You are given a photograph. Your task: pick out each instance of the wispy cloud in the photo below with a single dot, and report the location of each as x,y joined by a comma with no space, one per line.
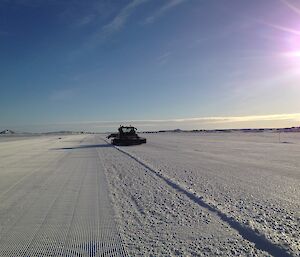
63,94
163,9
116,24
200,120
121,18
291,6
280,28
81,14
105,32
3,33
33,3
255,118
85,20
162,59
227,31
218,122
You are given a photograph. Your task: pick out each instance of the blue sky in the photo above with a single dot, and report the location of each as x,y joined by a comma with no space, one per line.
71,64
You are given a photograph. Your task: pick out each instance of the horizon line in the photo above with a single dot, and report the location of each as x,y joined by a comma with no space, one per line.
207,119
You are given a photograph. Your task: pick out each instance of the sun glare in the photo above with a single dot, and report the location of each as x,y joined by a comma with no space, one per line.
292,54
295,54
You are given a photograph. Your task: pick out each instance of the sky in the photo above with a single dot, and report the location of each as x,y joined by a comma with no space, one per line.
157,64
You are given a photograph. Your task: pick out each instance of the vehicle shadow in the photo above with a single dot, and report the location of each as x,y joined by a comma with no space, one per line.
83,147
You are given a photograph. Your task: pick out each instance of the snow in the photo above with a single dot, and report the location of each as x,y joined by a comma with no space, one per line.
55,202
184,194
252,179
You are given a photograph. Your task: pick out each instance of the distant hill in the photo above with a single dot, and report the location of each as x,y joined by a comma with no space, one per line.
7,132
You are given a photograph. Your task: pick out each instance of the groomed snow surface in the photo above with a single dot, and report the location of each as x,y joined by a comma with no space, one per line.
181,194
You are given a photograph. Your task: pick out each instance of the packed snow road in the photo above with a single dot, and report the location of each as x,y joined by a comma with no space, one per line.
54,200
184,194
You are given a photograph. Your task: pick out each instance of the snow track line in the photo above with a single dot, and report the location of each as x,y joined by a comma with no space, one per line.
67,241
9,246
34,170
36,233
98,236
28,175
28,205
28,157
260,241
122,244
